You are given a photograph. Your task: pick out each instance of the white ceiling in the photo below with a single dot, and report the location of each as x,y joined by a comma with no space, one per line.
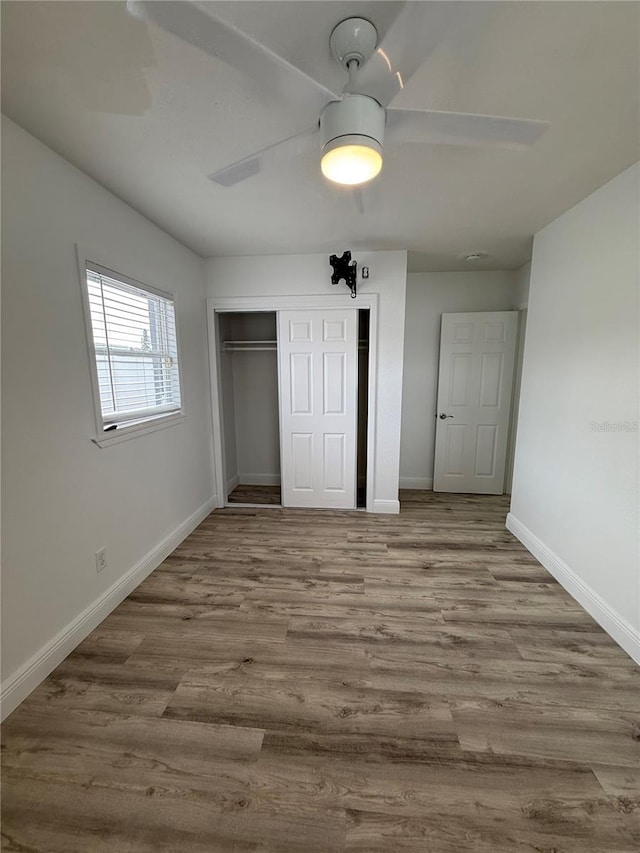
150,116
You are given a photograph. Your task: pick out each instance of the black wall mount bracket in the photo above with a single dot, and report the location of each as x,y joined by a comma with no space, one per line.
344,268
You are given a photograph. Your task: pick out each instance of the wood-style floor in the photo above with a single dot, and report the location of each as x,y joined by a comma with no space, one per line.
330,681
243,494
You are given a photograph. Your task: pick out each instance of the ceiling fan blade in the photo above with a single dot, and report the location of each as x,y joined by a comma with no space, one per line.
197,24
416,31
443,128
274,155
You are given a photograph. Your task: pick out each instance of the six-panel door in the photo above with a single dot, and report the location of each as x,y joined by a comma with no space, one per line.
475,380
317,370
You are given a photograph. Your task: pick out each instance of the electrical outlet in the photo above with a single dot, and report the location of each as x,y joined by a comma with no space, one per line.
101,559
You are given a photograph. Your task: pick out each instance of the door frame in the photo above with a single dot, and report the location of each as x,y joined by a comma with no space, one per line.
256,304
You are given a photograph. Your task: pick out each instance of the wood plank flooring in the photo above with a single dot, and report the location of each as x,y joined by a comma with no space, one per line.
290,680
244,494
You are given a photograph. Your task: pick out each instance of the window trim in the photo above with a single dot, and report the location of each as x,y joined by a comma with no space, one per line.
96,262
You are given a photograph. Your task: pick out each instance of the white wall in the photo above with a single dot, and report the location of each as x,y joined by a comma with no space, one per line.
256,411
575,490
64,497
255,382
521,300
429,295
228,410
305,275
249,384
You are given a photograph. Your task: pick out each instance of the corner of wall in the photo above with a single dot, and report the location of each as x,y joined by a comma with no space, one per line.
612,622
522,278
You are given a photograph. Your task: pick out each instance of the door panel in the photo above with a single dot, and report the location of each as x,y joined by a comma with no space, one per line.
302,460
460,380
334,331
491,378
301,383
485,455
334,376
299,331
455,435
317,353
474,394
334,462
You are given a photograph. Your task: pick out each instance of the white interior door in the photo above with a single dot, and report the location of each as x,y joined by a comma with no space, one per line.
474,401
317,375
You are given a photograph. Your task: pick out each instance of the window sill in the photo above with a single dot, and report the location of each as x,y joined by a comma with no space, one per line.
125,433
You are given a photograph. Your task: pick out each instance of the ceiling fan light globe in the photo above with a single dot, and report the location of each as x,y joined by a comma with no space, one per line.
351,161
352,131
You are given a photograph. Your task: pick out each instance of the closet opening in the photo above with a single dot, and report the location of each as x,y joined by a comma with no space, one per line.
250,408
363,404
246,406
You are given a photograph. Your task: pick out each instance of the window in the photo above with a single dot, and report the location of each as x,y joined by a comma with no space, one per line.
133,331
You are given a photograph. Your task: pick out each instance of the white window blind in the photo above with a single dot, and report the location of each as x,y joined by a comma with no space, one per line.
136,352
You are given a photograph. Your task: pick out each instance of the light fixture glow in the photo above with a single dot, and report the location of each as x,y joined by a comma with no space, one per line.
352,131
352,164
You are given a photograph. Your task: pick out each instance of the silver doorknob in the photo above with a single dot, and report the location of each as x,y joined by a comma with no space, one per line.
443,416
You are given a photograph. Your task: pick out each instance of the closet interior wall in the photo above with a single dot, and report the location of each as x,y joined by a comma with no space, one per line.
249,391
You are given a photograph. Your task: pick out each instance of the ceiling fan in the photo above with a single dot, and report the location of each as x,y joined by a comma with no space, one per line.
352,126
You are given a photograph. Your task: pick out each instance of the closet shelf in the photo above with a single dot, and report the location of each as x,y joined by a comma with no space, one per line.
259,346
248,346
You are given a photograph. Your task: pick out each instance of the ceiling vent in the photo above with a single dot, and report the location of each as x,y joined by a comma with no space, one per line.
474,257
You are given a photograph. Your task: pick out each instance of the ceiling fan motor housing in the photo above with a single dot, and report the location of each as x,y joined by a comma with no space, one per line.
355,120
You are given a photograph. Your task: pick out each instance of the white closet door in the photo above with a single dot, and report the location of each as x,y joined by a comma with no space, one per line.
318,382
474,401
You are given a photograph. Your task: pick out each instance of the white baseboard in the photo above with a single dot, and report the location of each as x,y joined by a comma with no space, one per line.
232,483
18,686
388,507
615,625
425,483
259,479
